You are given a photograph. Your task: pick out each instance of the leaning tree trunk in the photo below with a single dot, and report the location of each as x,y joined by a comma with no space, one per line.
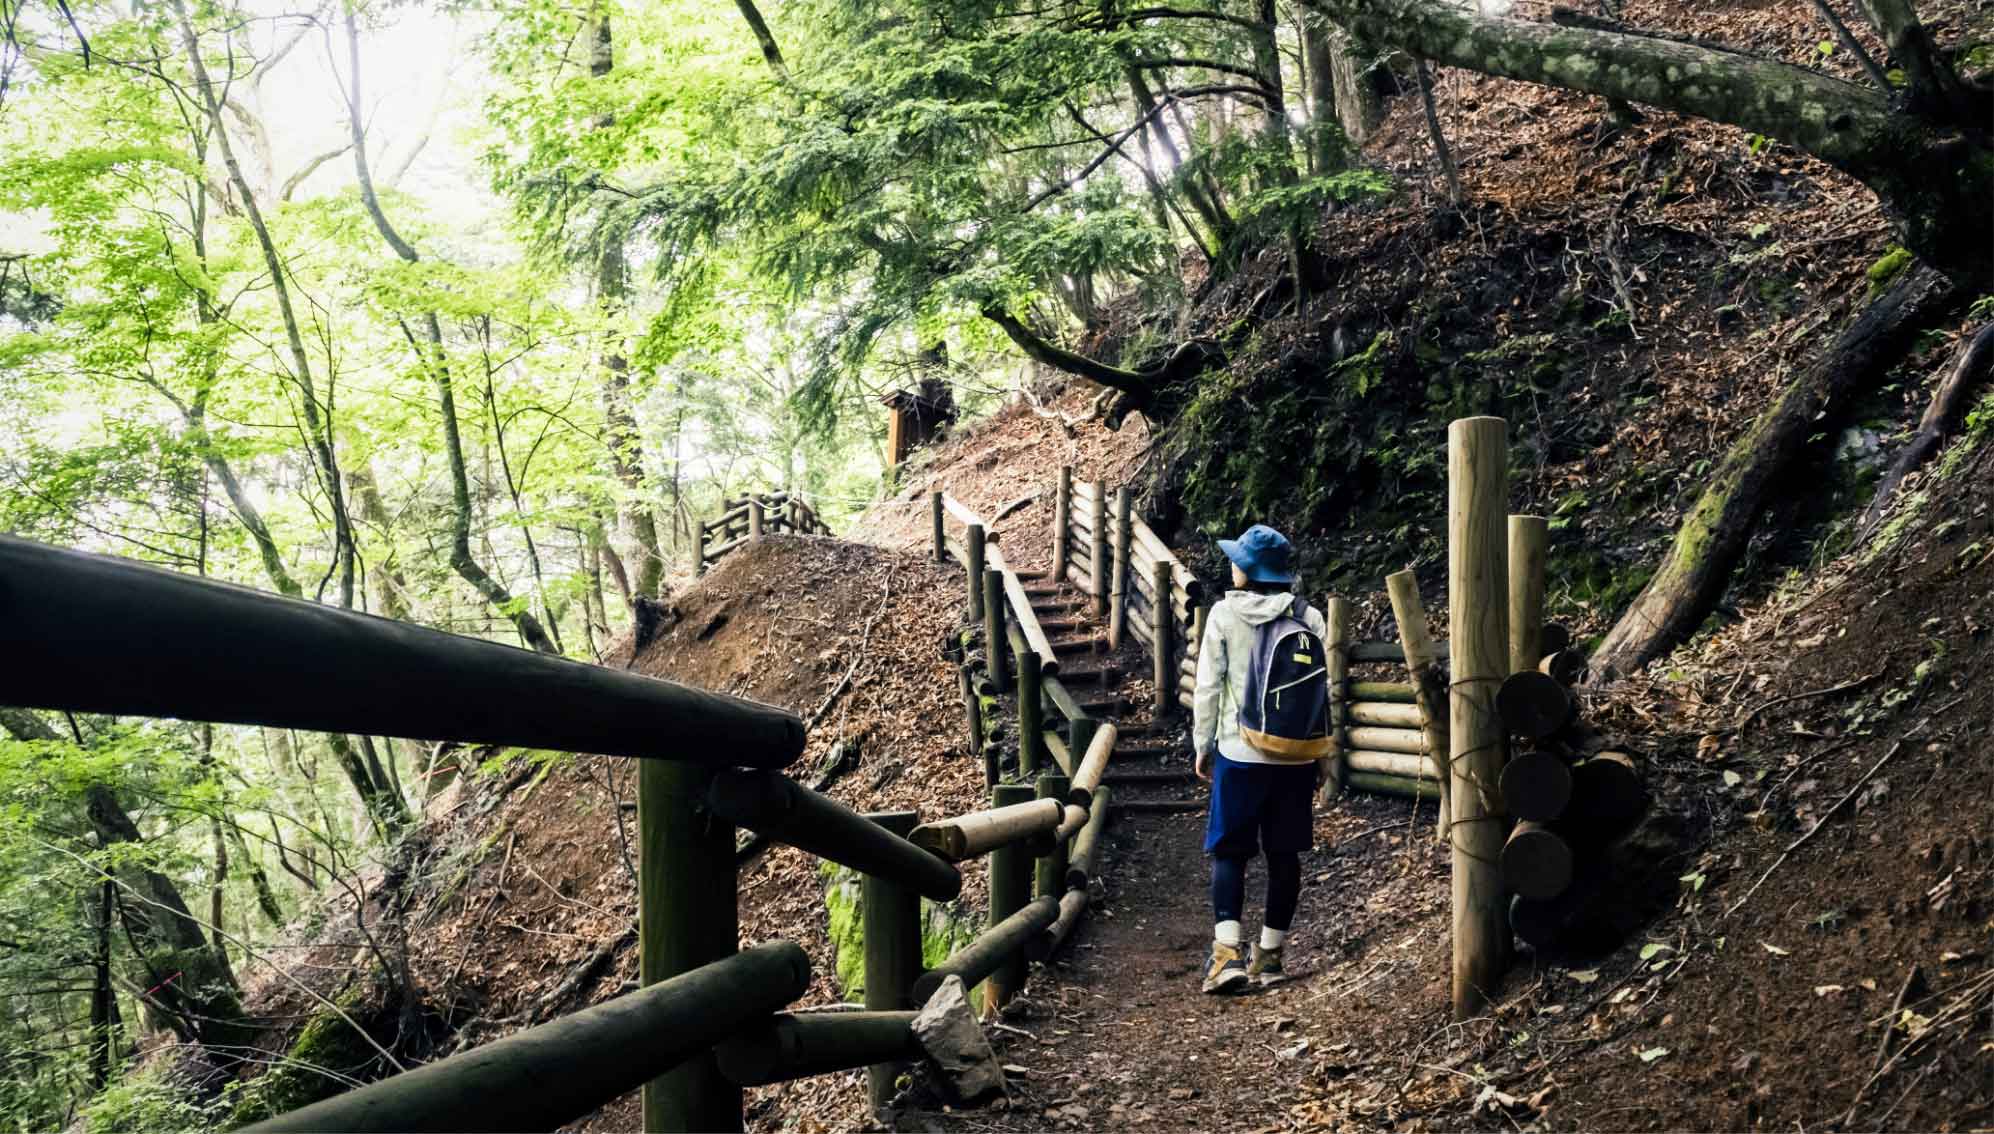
1697,567
1928,155
1940,422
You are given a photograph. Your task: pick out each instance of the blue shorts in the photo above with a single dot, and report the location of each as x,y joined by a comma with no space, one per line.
1260,806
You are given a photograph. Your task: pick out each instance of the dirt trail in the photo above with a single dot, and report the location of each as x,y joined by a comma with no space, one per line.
1115,1032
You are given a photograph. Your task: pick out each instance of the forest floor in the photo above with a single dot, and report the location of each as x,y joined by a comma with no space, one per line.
1704,998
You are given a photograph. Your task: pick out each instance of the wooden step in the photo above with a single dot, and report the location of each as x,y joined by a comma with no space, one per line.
1102,709
1155,806
1051,624
1079,643
1148,778
1083,674
1145,751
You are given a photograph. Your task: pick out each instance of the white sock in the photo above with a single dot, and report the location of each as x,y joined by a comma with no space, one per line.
1271,938
1227,933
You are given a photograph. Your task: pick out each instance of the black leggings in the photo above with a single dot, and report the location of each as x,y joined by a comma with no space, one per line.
1284,888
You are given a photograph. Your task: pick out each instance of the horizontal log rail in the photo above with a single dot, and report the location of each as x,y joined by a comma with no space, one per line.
99,634
787,812
980,832
550,1075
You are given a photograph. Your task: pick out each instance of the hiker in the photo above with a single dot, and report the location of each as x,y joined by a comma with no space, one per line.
1260,722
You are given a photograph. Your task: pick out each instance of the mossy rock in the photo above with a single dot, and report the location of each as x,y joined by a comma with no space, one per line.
944,928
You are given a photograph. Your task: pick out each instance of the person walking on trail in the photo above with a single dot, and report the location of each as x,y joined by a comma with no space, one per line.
1260,723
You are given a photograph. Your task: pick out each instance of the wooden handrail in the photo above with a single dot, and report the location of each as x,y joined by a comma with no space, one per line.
99,634
786,811
547,1076
1022,615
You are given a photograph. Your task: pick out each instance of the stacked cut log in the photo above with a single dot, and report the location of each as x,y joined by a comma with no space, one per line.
1573,796
1385,746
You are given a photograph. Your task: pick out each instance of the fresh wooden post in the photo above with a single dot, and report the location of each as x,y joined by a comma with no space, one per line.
1429,686
1381,714
1050,875
1010,889
1062,524
941,537
891,914
1380,784
1093,763
1079,738
995,644
1336,641
1478,634
1097,548
1527,537
756,521
687,916
1031,713
1160,624
1118,580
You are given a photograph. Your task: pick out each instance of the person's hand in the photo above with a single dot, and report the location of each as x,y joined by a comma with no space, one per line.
1202,766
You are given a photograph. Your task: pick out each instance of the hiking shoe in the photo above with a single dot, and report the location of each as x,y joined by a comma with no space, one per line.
1265,968
1226,970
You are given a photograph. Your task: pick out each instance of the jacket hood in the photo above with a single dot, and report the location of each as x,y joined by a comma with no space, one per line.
1254,609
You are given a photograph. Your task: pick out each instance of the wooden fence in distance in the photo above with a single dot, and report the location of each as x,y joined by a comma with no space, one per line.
749,517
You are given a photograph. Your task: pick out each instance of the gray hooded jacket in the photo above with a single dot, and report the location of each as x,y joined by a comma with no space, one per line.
1223,657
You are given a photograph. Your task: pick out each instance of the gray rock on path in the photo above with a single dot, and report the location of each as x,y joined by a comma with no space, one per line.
964,1066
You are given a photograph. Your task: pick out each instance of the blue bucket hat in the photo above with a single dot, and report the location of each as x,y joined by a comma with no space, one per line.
1262,553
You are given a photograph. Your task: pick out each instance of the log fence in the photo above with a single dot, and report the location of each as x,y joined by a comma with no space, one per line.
708,1018
750,517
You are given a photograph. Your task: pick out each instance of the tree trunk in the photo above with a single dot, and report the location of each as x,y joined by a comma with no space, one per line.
318,427
1697,567
461,559
189,984
626,447
1941,420
1358,107
1932,163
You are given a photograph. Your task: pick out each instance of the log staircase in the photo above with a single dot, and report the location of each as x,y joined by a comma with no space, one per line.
1151,771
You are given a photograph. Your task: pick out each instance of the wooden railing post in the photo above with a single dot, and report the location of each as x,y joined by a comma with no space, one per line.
995,645
1031,718
1336,622
1050,876
1118,600
1062,524
687,916
1160,624
941,538
756,520
973,547
1098,549
1527,538
1478,633
1429,687
891,914
1010,889
699,557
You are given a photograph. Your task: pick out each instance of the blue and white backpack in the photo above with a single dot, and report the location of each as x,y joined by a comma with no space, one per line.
1285,713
